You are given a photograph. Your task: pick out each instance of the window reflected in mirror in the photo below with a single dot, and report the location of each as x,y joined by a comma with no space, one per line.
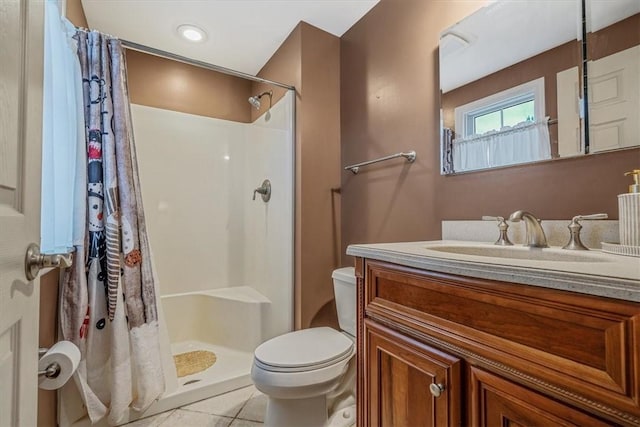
513,113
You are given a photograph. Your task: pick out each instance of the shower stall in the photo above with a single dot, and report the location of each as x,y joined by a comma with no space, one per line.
223,257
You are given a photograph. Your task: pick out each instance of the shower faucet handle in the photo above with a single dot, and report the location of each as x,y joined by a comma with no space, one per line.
258,190
264,190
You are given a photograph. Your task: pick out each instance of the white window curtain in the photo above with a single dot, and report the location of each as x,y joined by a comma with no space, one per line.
522,143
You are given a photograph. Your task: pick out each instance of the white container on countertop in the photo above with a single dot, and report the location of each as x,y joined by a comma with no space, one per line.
629,212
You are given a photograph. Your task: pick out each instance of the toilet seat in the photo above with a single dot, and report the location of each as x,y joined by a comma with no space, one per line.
304,350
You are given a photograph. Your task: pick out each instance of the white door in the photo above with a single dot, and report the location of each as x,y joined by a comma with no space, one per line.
21,56
614,101
569,126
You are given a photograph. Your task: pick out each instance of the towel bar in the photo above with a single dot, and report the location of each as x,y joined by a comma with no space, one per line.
410,156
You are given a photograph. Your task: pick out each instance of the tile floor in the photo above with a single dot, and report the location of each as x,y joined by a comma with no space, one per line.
244,407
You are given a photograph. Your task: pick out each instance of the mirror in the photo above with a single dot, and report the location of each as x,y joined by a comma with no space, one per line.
613,74
510,85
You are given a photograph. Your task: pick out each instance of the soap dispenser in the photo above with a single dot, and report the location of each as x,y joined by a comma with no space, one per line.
629,212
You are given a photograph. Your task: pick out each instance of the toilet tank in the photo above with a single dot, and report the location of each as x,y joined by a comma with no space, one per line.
344,288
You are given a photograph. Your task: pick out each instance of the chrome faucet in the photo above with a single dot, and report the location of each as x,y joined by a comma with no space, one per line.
534,231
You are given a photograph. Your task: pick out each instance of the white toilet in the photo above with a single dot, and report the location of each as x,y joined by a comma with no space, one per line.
308,373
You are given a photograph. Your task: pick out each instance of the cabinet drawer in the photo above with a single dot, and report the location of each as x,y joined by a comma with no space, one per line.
573,344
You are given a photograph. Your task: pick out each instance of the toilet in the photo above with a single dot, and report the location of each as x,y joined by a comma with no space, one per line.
308,375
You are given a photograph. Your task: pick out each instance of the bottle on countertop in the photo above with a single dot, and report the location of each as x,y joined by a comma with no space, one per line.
629,212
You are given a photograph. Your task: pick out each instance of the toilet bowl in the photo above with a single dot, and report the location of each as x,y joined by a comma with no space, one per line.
304,373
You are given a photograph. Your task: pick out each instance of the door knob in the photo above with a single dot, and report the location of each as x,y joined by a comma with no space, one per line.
34,261
436,389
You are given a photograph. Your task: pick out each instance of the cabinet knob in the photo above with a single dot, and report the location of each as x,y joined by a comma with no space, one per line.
436,389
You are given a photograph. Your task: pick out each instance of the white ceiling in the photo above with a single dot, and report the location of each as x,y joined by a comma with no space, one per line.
241,34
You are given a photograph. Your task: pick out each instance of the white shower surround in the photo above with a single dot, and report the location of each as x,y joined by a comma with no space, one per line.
198,175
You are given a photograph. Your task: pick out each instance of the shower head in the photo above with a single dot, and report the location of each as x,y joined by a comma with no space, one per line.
255,100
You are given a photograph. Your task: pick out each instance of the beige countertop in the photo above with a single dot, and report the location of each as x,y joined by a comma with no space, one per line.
593,272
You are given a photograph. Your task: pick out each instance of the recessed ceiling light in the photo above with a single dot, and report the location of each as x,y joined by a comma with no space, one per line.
192,33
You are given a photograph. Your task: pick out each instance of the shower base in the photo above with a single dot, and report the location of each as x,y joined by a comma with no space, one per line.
231,371
225,321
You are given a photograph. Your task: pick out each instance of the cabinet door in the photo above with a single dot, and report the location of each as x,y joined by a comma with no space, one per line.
497,402
400,373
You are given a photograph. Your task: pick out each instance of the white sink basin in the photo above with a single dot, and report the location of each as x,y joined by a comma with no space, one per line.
520,252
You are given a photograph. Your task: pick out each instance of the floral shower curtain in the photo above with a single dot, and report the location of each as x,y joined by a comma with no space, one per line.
108,303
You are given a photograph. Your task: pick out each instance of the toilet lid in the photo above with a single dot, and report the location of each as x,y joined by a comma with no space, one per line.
303,350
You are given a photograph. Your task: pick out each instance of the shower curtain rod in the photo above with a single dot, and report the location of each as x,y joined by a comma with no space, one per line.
164,54
168,55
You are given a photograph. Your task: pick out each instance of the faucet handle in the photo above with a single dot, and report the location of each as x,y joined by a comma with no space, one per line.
503,240
592,216
575,243
264,190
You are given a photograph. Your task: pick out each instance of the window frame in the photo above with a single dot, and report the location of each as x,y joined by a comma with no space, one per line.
532,90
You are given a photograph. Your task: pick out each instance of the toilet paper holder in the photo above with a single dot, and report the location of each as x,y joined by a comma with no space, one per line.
52,370
56,365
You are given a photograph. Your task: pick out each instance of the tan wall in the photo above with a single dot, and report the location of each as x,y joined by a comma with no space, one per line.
320,174
75,13
389,103
48,323
310,60
615,38
171,85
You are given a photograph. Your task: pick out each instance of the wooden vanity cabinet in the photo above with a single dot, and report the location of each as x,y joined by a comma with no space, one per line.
438,349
